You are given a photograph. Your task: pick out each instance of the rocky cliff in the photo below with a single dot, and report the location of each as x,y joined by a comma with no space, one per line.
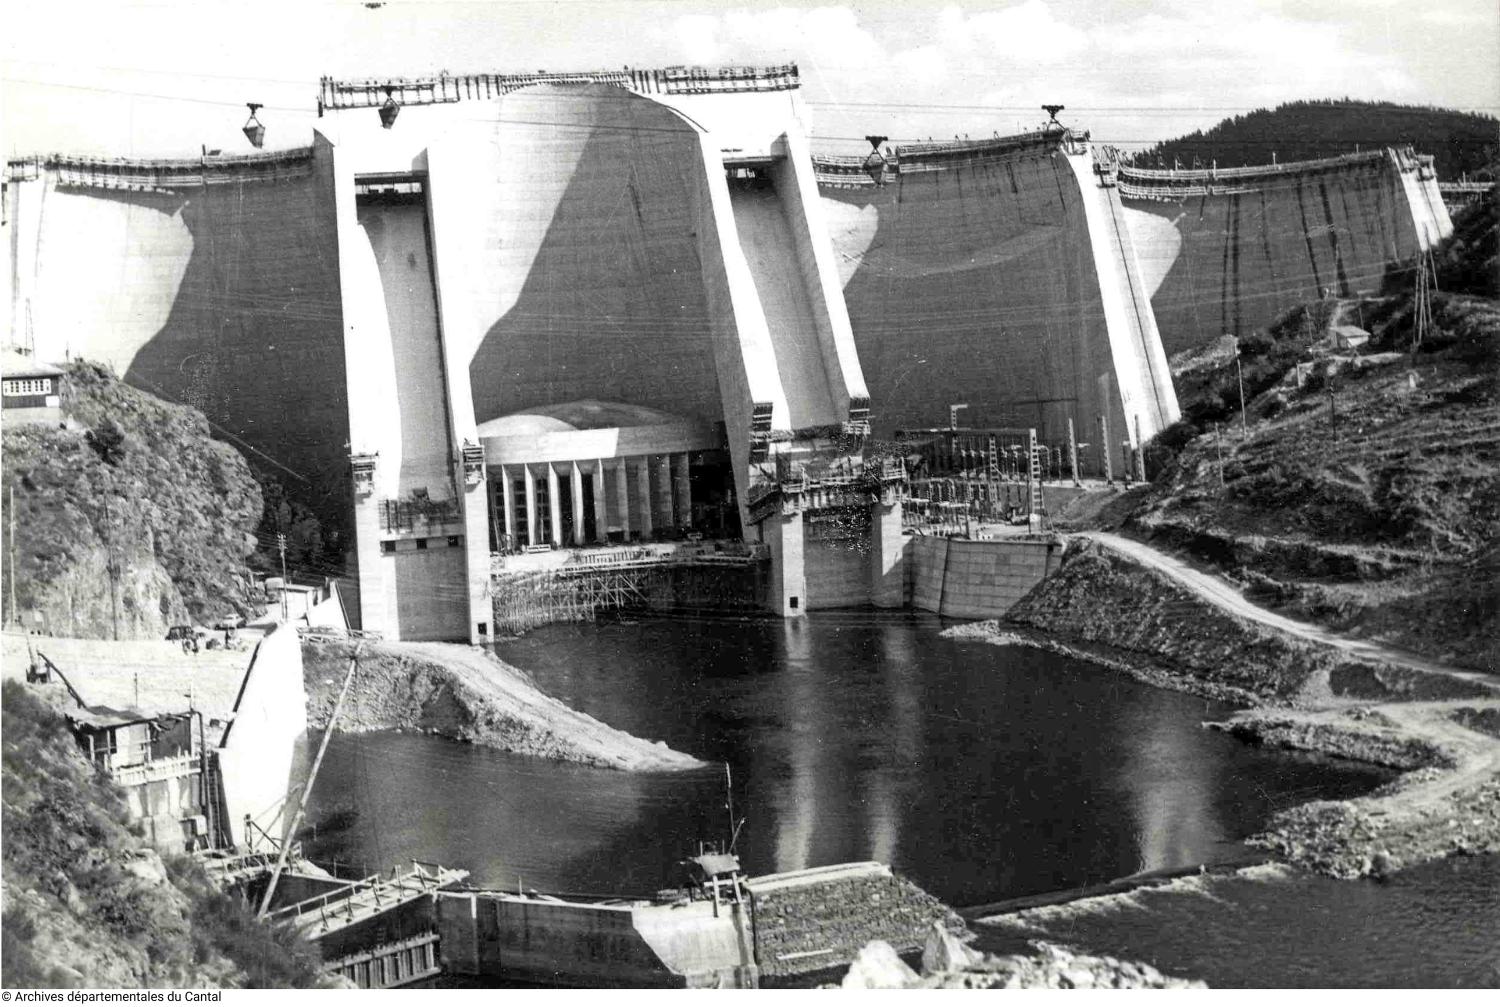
129,518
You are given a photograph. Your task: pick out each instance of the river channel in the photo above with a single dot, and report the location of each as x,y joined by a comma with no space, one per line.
981,772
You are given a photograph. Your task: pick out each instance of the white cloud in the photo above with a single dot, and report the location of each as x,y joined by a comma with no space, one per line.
1025,32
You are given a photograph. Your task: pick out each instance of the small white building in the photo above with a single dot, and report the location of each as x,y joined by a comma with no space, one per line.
32,390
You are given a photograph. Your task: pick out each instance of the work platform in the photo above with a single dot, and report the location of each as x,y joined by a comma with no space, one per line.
360,901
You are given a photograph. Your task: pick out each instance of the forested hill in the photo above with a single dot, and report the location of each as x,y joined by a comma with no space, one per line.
1306,130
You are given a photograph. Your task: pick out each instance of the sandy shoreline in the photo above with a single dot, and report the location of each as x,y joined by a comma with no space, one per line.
467,694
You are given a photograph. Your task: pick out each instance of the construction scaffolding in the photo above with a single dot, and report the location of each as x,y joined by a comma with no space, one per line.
579,591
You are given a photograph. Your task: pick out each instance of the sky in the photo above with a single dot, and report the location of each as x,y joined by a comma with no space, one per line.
162,77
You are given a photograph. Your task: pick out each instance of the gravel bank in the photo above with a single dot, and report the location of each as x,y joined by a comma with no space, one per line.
1446,802
467,694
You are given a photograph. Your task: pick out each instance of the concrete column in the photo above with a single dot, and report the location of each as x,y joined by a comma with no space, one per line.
530,505
577,486
508,501
662,485
601,510
622,496
643,491
682,491
887,556
788,573
554,504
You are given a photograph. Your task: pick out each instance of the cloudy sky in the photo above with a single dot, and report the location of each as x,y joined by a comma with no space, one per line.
159,77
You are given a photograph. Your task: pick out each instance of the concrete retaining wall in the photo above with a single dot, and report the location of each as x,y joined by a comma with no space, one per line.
266,739
976,579
584,944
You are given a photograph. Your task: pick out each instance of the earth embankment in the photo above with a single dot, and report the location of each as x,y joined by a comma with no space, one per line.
465,694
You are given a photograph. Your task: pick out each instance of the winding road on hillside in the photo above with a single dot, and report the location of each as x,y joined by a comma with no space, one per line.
1225,596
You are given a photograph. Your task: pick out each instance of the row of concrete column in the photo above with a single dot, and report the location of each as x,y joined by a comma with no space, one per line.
636,494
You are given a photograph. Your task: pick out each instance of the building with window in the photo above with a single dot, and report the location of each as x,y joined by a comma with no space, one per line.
32,390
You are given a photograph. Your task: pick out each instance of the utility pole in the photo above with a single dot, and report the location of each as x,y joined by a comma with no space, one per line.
1109,475
1423,305
281,548
1073,453
1140,451
1240,376
1219,450
112,566
15,613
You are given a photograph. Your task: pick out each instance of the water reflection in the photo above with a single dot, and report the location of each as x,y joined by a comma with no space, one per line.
983,772
1173,810
797,814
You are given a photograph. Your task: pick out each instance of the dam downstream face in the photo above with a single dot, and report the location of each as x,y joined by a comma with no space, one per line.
981,772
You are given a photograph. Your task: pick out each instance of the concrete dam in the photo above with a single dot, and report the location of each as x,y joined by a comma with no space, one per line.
997,273
1225,251
489,315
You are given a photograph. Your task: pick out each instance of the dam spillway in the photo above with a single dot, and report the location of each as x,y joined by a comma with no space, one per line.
565,311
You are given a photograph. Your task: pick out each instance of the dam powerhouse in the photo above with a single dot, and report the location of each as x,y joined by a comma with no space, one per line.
514,329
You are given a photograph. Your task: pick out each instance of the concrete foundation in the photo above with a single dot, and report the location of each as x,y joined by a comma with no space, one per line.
979,579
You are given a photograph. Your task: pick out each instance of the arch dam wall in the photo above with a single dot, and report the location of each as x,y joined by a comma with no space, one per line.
1227,251
211,281
999,274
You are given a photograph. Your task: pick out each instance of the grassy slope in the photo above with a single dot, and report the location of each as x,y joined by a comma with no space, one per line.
84,906
174,508
1387,528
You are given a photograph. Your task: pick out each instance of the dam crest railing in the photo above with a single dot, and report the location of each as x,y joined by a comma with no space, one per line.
445,88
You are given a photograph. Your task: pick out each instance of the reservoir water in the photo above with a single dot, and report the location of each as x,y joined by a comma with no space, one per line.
981,772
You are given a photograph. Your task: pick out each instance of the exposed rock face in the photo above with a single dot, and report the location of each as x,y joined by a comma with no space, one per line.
947,964
131,520
466,694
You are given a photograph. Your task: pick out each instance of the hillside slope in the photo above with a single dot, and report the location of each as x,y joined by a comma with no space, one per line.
131,520
1368,498
1460,142
88,904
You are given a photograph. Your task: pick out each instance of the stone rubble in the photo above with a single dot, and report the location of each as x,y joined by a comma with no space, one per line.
949,964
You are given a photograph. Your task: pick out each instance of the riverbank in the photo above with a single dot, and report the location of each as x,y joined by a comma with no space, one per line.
1345,699
1446,802
466,694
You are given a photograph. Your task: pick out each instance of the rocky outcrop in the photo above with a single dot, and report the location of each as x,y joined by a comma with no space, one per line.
948,964
466,694
129,519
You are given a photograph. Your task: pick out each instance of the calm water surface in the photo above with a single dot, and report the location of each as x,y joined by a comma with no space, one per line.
981,772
